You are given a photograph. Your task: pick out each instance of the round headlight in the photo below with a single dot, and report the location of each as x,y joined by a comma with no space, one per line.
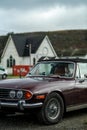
12,94
19,94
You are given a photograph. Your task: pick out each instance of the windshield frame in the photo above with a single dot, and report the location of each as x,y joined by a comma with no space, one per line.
47,62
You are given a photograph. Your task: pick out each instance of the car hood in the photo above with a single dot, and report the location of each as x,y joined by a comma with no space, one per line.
19,83
35,84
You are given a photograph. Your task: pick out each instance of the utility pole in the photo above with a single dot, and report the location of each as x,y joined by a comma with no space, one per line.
30,52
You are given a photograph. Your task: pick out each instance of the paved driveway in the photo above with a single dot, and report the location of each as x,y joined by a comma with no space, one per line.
76,120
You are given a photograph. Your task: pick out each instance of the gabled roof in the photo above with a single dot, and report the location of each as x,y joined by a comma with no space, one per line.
3,40
19,41
22,43
35,42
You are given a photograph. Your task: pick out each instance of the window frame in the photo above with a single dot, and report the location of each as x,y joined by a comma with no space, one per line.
78,68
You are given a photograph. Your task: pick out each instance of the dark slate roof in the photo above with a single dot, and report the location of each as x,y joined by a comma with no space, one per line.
35,42
22,42
3,40
19,42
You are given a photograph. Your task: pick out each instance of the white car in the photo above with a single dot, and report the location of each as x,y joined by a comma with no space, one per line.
3,73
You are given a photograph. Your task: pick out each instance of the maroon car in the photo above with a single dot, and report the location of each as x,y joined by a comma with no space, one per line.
50,89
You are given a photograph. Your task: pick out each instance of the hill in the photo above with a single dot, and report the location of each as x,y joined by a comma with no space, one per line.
65,43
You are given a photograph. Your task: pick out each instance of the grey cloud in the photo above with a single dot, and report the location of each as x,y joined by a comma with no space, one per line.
24,15
59,18
32,4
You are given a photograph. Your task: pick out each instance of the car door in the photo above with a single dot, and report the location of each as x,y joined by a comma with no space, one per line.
81,83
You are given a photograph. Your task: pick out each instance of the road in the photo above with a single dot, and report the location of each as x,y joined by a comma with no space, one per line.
76,120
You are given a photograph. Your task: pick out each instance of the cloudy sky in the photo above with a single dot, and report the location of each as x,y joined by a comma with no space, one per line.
42,15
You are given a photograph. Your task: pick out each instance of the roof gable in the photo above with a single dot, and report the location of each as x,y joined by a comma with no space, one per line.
35,42
22,43
3,40
19,42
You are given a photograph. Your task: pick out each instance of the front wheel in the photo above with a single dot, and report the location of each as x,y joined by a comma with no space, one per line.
52,110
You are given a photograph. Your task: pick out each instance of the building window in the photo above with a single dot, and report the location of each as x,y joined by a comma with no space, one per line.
10,62
7,62
34,61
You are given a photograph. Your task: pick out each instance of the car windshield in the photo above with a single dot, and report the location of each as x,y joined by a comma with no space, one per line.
63,69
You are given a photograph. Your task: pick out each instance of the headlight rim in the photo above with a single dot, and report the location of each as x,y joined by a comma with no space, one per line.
17,93
12,94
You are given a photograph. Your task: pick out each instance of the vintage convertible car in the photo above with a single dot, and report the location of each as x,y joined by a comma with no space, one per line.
50,89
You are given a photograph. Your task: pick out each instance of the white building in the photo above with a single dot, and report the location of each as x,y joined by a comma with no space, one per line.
25,50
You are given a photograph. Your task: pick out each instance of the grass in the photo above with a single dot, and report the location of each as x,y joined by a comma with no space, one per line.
12,77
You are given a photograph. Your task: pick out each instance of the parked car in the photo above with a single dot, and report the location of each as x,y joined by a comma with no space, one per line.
52,88
3,73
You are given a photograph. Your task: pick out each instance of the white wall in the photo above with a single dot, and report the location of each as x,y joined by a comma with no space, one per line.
40,52
25,60
9,50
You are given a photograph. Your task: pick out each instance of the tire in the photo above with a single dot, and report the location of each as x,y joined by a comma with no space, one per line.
52,110
4,76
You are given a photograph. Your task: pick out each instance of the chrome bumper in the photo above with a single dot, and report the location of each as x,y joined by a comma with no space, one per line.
21,105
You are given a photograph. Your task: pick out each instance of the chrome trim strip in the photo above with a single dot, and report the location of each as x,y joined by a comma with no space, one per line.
33,105
76,107
21,105
8,104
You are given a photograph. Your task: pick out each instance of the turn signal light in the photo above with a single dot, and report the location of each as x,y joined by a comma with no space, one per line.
40,97
28,95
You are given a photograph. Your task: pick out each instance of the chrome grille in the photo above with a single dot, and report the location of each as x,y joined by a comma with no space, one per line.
4,93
